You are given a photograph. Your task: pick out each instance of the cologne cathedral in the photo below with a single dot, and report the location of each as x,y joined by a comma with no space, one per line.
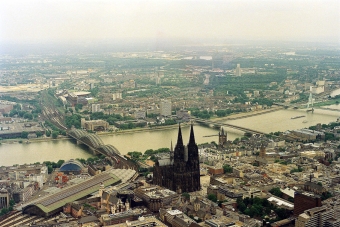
180,172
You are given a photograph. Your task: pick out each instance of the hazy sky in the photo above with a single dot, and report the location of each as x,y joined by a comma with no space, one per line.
93,20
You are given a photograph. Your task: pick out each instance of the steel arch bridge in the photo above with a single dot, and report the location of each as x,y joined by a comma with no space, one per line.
76,133
108,149
91,140
96,145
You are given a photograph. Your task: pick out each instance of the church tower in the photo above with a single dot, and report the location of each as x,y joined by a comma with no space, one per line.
193,165
263,153
179,167
179,148
222,138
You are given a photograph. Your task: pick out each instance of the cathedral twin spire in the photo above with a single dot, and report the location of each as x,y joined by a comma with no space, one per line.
179,148
180,138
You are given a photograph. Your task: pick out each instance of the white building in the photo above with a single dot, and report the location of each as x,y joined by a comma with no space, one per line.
165,107
318,88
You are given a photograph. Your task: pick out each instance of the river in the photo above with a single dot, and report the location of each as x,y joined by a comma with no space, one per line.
140,141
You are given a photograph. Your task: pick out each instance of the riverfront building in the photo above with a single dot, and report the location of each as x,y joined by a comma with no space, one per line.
94,125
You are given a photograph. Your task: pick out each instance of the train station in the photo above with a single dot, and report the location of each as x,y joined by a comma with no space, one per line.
53,203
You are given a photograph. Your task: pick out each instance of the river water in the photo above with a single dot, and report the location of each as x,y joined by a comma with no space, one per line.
66,149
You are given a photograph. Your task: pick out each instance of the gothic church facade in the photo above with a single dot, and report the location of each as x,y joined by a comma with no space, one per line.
180,172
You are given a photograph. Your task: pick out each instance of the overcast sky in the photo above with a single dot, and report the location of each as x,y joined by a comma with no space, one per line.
91,20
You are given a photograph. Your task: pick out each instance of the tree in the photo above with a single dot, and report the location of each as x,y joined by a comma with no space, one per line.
49,169
48,133
299,169
212,197
241,205
236,140
3,211
326,195
78,107
55,134
24,134
11,202
60,162
39,134
186,196
73,120
276,191
227,169
28,115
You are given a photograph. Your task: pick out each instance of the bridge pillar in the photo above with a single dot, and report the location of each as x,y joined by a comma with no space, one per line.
93,151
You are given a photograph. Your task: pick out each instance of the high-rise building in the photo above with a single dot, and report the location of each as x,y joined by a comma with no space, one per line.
165,107
238,70
158,80
180,172
95,108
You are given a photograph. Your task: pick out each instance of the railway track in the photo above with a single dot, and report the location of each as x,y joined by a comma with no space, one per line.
50,112
10,217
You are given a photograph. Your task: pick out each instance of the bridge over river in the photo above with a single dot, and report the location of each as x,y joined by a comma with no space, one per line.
217,124
97,146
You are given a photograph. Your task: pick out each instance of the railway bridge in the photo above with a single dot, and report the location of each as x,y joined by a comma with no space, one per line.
97,146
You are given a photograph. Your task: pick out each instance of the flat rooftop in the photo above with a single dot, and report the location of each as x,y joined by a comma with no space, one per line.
16,127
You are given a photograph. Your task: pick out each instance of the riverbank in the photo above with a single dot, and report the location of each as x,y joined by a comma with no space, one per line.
128,131
148,129
247,114
36,140
327,103
136,130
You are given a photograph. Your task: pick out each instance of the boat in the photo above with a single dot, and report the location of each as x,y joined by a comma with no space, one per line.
297,117
304,121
